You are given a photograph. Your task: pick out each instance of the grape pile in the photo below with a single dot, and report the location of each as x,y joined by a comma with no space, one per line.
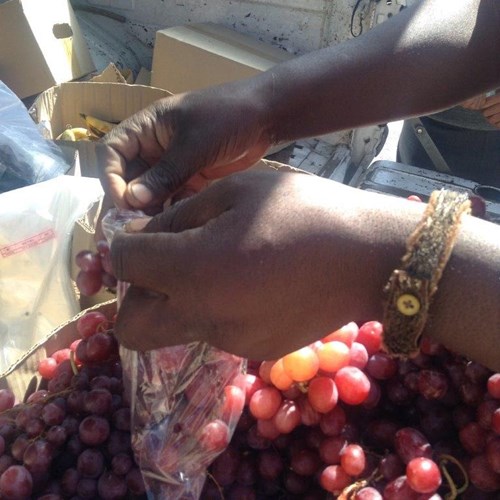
341,419
71,439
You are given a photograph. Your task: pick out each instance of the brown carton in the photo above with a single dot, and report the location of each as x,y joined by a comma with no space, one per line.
195,56
41,45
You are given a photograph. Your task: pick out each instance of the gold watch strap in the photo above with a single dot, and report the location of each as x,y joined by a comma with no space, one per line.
411,287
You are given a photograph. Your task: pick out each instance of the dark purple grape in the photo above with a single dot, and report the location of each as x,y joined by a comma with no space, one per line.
94,430
90,463
111,487
19,446
69,482
121,419
7,399
86,487
97,401
135,481
89,283
121,464
38,456
16,483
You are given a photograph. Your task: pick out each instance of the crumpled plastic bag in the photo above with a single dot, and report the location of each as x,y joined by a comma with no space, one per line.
26,157
185,404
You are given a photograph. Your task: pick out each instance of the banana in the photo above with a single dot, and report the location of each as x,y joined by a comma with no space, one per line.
74,134
96,126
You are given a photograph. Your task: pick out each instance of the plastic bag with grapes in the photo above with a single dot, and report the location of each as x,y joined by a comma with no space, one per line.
183,403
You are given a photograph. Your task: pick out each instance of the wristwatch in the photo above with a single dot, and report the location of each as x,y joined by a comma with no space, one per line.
410,288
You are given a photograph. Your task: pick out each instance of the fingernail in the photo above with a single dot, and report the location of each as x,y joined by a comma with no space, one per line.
136,225
141,193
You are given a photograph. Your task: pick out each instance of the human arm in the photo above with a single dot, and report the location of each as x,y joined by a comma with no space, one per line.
262,263
429,57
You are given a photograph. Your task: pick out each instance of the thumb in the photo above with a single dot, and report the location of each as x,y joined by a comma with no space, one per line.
157,184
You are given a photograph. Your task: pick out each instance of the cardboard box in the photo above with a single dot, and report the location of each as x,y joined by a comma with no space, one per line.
195,56
22,377
60,106
41,45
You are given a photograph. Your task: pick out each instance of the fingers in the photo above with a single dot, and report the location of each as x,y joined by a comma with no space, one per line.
163,253
492,110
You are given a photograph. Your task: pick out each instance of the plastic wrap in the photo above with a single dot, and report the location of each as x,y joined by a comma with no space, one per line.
26,157
183,404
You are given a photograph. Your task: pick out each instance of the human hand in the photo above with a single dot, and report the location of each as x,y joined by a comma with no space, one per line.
177,145
489,105
491,109
241,265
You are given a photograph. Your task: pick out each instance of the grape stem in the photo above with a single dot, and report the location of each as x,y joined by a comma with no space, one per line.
349,492
74,368
454,491
212,478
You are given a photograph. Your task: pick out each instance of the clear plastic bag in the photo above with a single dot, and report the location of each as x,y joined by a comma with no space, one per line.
26,157
36,291
183,403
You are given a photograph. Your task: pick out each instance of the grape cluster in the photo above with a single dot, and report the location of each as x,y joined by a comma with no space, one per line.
340,417
95,270
71,439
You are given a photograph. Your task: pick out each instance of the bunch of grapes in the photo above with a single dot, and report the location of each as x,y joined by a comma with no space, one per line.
95,270
341,419
71,438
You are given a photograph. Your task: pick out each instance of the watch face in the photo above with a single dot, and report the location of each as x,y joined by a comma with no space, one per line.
405,314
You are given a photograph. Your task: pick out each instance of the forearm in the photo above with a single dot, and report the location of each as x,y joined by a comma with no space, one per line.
465,312
426,58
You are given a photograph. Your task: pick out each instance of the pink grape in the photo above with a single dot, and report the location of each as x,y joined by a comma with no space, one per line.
494,385
423,475
370,335
352,384
265,402
88,324
214,436
353,460
287,417
334,479
47,368
322,394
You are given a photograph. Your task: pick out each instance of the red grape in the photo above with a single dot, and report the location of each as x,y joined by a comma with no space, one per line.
370,335
265,402
352,384
47,368
334,479
423,475
323,394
